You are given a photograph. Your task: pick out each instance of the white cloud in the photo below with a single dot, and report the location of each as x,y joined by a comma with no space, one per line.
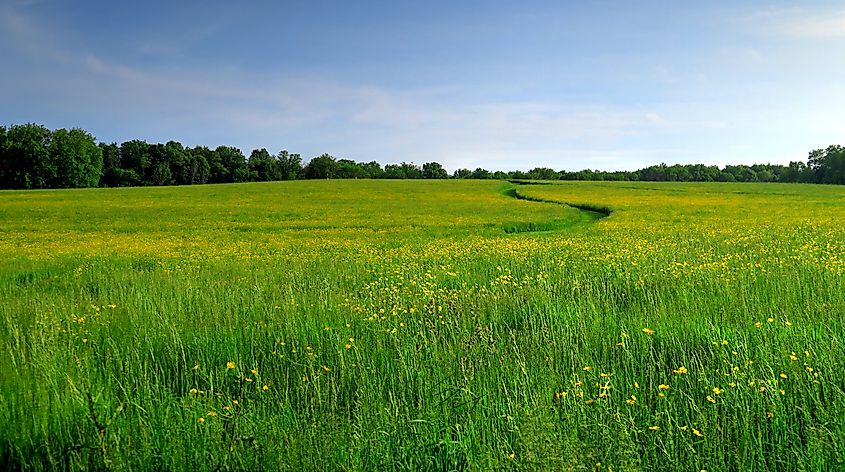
817,27
312,115
800,23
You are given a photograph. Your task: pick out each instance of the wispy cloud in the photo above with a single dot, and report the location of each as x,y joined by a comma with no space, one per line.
117,97
799,23
365,121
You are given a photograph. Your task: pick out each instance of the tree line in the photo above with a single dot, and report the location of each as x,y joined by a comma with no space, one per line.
32,157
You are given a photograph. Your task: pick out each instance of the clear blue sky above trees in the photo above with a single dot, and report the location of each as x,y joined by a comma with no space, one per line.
495,84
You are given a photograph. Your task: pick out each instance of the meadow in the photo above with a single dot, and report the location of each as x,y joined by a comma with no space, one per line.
423,325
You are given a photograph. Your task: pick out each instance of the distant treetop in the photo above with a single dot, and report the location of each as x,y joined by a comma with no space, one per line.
32,157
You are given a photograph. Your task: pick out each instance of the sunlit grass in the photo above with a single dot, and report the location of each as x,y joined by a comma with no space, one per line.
397,325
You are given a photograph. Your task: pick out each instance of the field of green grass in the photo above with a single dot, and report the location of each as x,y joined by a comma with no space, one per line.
423,325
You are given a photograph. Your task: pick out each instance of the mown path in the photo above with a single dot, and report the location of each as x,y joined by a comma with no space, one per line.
587,213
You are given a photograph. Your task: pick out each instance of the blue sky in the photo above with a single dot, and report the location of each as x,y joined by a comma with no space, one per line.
497,84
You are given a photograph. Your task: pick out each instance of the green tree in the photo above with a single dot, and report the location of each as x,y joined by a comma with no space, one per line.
828,165
394,171
703,173
77,159
158,172
411,170
290,165
111,164
725,176
135,158
175,157
25,159
116,173
373,170
480,173
232,165
433,170
263,167
543,173
349,169
321,167
797,171
462,174
196,170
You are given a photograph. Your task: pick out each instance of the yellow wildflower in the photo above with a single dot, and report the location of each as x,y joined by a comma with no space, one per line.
648,331
230,365
680,370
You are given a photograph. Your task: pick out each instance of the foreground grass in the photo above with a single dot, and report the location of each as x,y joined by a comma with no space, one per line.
396,325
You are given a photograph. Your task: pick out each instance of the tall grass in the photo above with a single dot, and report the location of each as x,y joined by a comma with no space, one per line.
664,337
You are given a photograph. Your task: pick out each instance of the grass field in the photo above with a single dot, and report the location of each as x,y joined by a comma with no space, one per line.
423,325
